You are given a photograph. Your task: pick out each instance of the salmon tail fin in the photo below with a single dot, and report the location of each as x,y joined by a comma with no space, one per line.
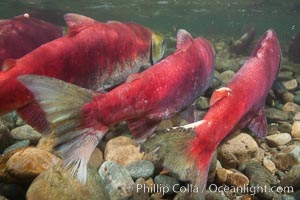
174,147
77,152
62,103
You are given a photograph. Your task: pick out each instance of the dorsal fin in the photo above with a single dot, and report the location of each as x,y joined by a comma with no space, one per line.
24,16
219,94
77,22
184,38
113,22
8,64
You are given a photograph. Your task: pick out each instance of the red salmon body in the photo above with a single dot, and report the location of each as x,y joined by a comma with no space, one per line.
22,34
158,93
239,104
93,55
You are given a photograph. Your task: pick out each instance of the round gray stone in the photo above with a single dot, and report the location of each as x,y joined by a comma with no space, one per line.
17,145
297,99
166,184
25,132
117,180
140,169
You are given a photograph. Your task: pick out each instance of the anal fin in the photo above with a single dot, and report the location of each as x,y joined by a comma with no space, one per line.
189,114
34,115
258,125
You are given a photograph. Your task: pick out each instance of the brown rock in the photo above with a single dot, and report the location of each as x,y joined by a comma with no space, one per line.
287,158
140,194
122,150
30,162
290,107
278,139
285,75
291,84
269,165
260,154
5,176
150,183
292,177
57,183
237,179
236,149
297,117
3,198
288,97
285,127
221,175
275,115
296,129
5,137
96,158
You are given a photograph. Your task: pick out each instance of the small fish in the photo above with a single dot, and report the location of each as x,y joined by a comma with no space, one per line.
93,55
294,48
22,34
80,117
188,150
242,45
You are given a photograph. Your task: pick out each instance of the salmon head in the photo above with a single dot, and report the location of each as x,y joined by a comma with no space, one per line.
158,47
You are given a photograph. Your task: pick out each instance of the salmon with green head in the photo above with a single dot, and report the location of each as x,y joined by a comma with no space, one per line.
93,55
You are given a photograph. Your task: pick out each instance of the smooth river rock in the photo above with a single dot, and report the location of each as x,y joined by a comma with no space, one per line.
56,183
122,150
236,149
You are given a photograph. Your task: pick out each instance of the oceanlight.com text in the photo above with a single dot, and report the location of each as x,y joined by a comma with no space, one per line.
252,190
246,189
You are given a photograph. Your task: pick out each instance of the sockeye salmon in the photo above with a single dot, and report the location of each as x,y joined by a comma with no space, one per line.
80,118
187,151
22,34
93,55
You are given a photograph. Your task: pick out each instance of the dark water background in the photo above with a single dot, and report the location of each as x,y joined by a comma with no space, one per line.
216,18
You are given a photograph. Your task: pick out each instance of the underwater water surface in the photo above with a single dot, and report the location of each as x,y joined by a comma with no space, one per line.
200,17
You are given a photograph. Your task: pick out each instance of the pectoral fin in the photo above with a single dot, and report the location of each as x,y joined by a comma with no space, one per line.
8,64
258,125
219,94
189,114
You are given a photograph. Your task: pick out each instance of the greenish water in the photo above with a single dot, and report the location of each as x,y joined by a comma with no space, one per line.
216,18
